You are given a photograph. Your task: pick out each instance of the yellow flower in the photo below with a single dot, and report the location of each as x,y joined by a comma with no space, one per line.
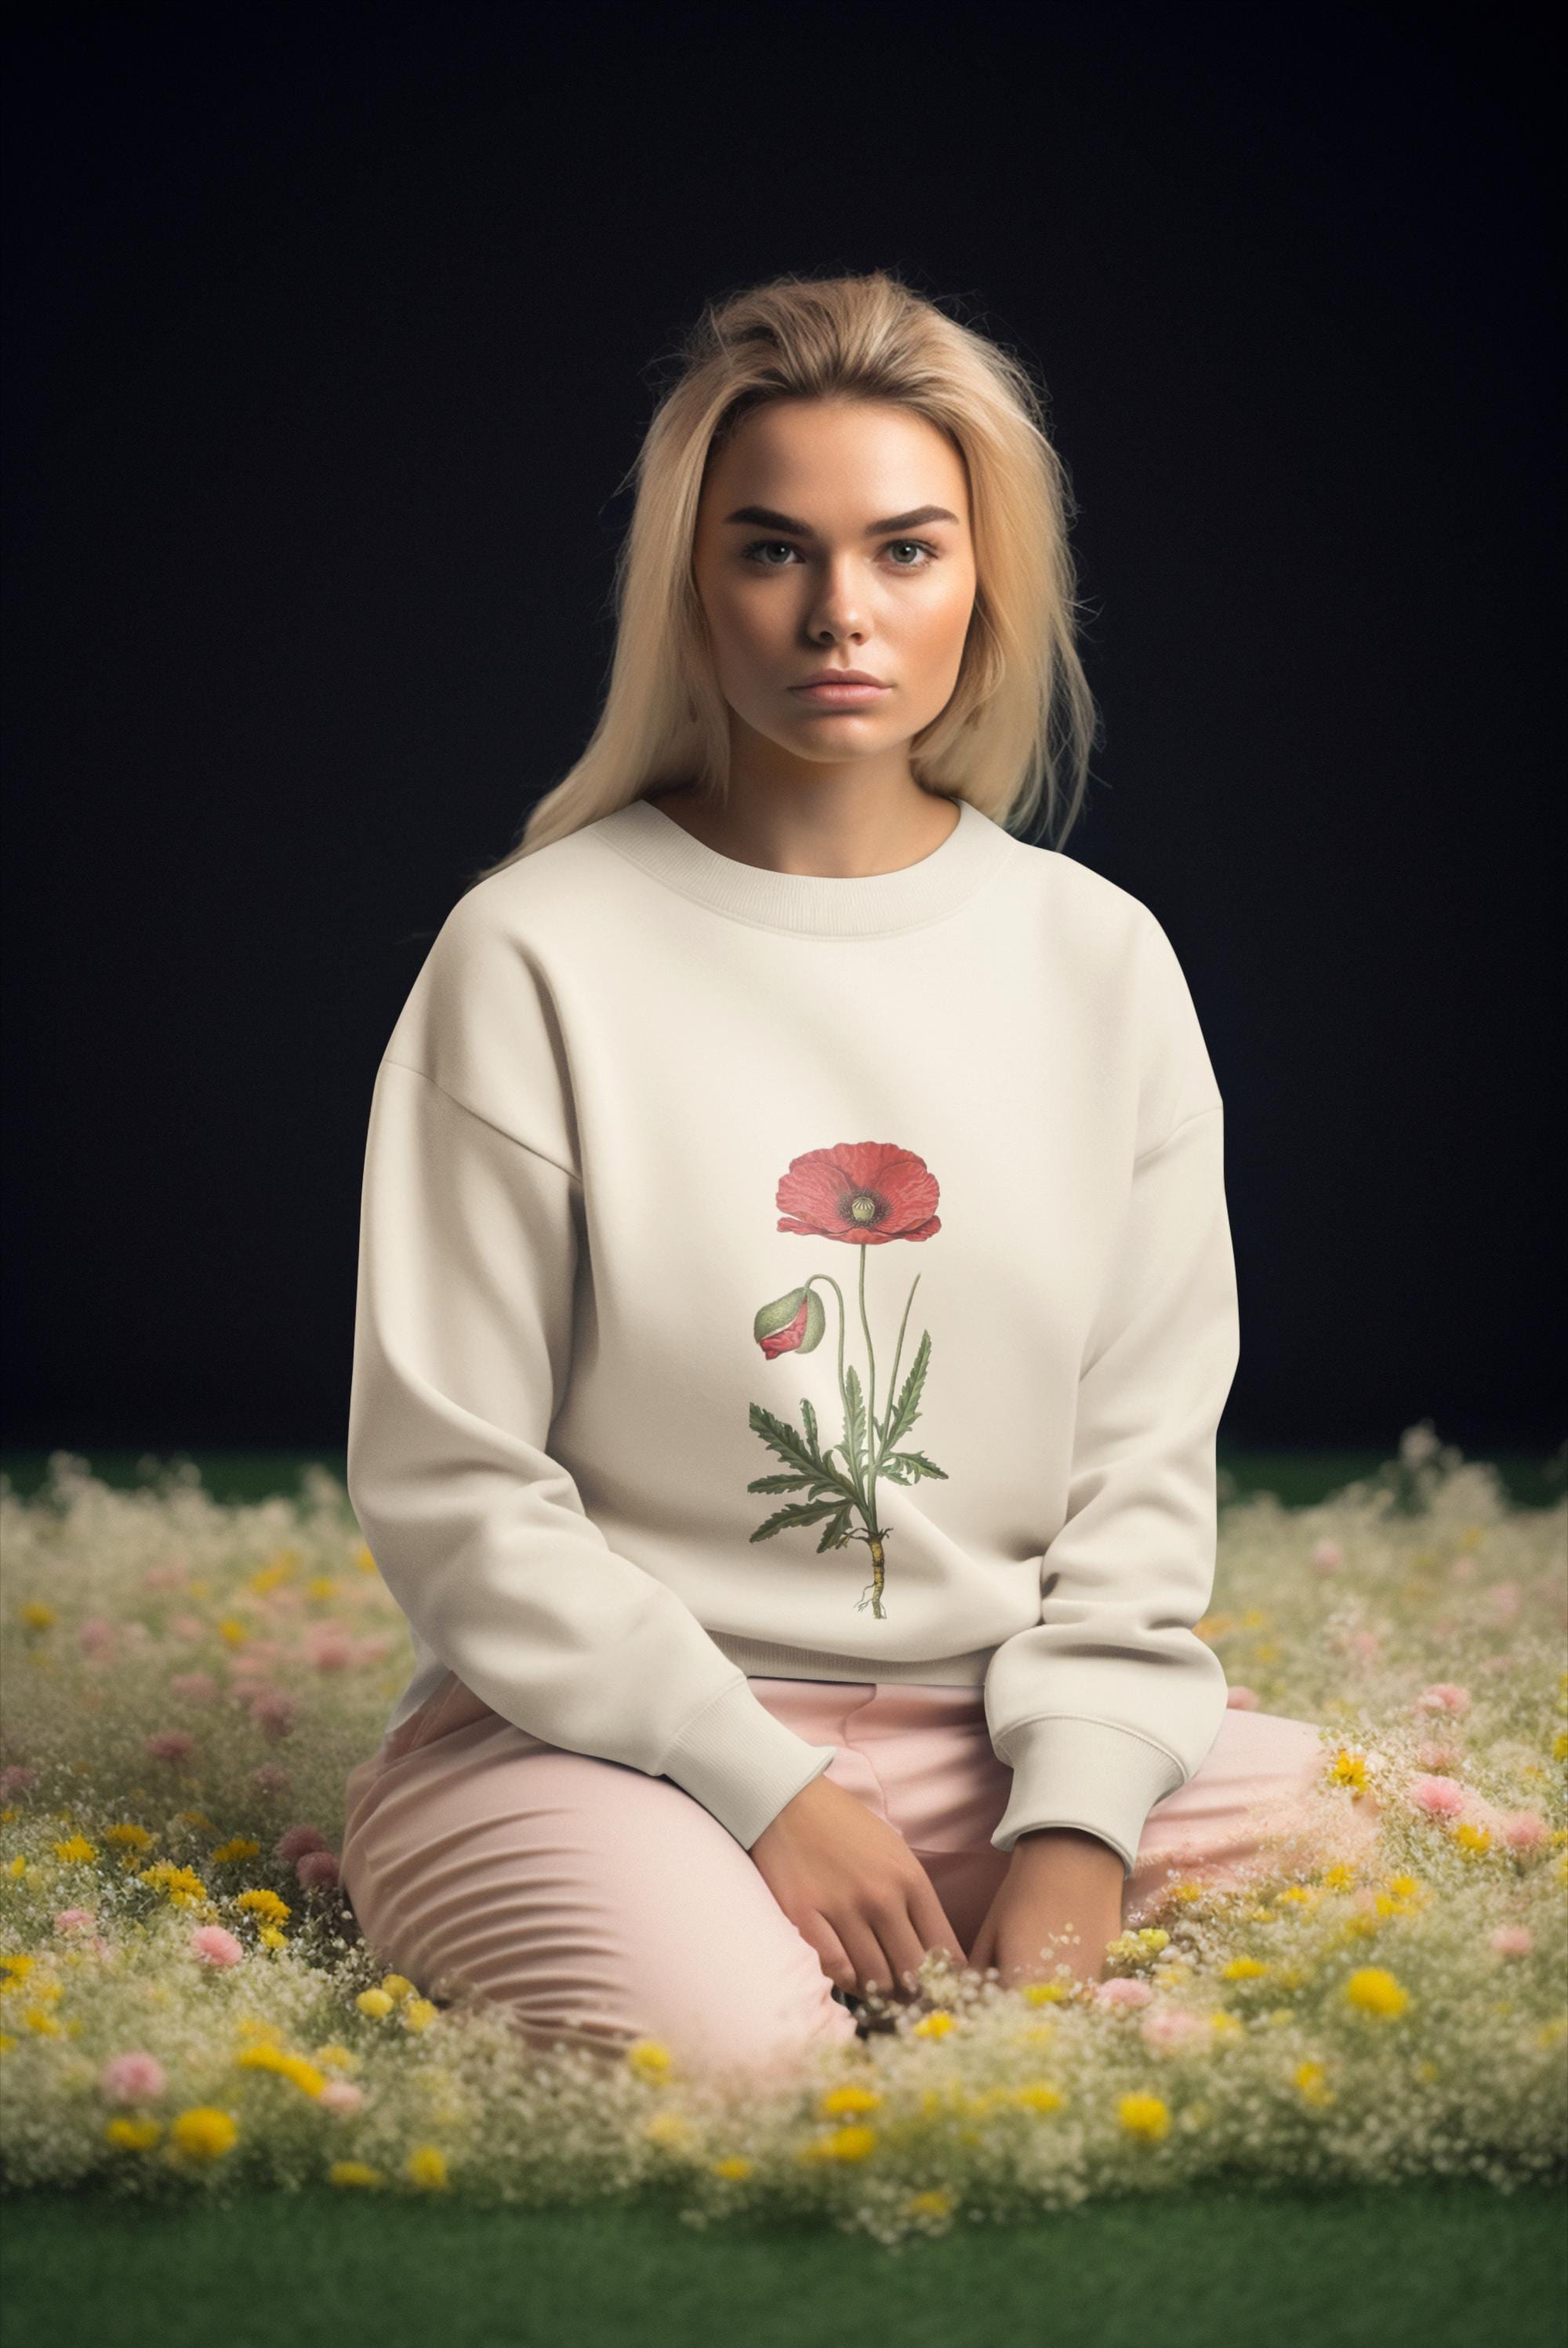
17,1866
182,1884
667,2127
398,1986
134,1837
1242,1969
1340,1878
204,2133
252,2026
39,2018
352,2172
238,1846
76,1848
1227,2025
373,2002
7,2042
337,2058
1035,2095
19,1966
936,2203
426,2167
650,2060
419,2013
1348,1768
733,2164
1045,1992
293,2067
37,1616
838,2100
264,1903
1560,1745
1471,1838
320,1589
1374,1989
364,1560
133,2136
233,1631
1312,2079
845,2144
933,2026
272,1937
1145,2115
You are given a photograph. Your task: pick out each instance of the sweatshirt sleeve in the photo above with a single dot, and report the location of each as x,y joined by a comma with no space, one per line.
470,1242
1112,1701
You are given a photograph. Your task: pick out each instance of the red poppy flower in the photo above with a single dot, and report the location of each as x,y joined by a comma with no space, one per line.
863,1191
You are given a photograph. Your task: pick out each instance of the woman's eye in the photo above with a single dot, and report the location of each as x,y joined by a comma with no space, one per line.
761,547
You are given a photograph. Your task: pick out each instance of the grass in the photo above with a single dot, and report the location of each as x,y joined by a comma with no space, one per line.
1438,2264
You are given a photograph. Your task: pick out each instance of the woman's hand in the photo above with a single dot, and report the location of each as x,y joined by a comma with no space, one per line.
1059,1903
852,1887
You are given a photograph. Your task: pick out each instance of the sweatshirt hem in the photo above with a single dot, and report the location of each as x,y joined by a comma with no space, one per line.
763,1659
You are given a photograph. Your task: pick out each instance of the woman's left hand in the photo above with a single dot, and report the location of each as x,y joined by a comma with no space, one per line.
1059,1903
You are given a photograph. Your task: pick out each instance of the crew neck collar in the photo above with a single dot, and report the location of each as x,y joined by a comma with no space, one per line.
811,904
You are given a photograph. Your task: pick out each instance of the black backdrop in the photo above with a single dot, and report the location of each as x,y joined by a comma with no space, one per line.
330,334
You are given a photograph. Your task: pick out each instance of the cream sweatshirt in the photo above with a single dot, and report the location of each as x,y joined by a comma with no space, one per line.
765,1275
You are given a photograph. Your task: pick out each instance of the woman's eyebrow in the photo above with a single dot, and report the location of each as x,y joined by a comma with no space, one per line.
765,518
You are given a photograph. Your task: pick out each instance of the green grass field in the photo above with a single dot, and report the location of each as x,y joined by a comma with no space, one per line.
1434,2263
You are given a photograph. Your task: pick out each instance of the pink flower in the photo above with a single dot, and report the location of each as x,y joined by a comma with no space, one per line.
131,2078
193,1687
189,1627
1240,1699
1170,2027
170,1745
1367,1643
1327,1556
341,2095
1504,1597
1497,1663
1523,1829
75,1920
1439,1798
95,1636
16,1779
329,1647
371,1650
1434,1756
1443,1695
273,1710
294,1841
1513,1941
272,1778
162,1577
214,1946
316,1870
1120,1993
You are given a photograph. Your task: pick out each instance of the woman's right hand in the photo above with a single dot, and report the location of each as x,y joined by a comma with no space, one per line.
852,1887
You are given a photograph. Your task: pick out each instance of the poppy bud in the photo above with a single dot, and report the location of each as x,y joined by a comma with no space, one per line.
791,1324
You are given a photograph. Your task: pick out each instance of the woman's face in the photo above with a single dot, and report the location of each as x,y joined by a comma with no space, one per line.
833,535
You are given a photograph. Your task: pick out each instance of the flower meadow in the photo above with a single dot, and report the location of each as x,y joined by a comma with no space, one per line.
187,2008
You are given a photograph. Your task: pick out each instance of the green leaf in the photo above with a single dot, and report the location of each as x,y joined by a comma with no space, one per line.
908,1466
803,1513
835,1533
905,1412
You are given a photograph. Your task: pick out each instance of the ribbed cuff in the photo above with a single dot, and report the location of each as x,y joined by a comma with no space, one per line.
1067,1772
742,1764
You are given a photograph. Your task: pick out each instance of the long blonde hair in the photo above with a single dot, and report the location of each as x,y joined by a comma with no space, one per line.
1020,724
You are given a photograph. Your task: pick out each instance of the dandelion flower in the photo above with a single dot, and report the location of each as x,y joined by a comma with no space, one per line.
204,2133
133,2136
261,1902
1372,1988
237,1847
1144,2116
733,2166
375,2002
427,2168
76,1850
650,2060
352,2172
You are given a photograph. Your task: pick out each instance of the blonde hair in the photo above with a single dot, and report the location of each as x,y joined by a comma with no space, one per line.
1020,724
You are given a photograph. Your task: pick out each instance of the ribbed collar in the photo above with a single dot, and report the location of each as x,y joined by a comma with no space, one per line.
811,904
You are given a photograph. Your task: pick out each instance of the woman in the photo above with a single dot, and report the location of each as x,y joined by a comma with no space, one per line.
795,1292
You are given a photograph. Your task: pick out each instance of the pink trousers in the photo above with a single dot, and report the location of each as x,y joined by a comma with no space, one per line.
600,1904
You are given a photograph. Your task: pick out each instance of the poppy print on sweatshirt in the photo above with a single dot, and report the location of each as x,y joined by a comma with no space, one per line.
862,1194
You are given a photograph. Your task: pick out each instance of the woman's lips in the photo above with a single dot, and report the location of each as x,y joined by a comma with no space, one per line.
833,697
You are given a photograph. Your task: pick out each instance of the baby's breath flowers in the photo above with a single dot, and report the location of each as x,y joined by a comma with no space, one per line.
185,2002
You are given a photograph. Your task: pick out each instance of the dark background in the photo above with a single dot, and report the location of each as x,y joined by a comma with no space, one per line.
331,336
